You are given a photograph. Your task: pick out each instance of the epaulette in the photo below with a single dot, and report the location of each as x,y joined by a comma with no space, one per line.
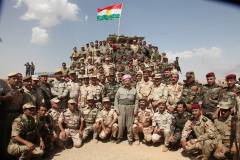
204,119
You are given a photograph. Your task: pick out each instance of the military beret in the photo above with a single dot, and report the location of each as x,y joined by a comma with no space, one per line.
106,99
231,76
35,77
72,101
55,100
12,74
224,105
210,74
27,78
28,105
139,72
175,72
195,106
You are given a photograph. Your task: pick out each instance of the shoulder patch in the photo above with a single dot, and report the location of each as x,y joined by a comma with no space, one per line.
204,119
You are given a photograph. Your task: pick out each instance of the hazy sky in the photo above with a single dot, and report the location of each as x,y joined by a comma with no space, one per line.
204,34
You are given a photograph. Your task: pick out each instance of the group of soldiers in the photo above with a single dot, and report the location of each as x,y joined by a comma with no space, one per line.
117,89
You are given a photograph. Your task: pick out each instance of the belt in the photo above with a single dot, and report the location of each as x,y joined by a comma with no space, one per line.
126,102
71,127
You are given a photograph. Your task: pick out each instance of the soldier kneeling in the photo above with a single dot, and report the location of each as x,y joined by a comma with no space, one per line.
25,135
70,123
143,122
106,121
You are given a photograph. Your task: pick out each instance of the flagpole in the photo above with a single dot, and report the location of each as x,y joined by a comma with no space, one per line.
119,22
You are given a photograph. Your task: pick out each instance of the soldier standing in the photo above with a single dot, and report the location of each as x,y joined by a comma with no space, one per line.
204,130
106,121
211,92
111,87
162,121
145,87
45,89
59,89
126,105
159,92
24,134
71,123
143,122
192,90
175,89
73,86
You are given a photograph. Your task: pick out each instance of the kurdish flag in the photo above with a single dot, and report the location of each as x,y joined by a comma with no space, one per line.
109,12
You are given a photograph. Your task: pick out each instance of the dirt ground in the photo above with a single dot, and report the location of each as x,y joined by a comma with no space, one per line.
112,151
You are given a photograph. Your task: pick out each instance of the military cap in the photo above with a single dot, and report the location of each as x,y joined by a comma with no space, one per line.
92,76
157,76
106,99
55,100
142,99
27,78
85,76
210,74
107,58
126,76
58,71
28,105
139,72
71,72
174,71
12,74
231,76
90,97
35,77
43,74
224,105
72,101
195,106
80,76
190,73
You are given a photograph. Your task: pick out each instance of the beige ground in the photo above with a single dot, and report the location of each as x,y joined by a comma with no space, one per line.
111,151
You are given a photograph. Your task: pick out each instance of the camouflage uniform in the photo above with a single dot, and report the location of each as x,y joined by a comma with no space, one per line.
26,128
105,117
59,89
159,94
110,89
205,132
161,121
89,115
144,89
174,94
97,92
73,89
210,100
72,121
143,124
192,93
177,125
